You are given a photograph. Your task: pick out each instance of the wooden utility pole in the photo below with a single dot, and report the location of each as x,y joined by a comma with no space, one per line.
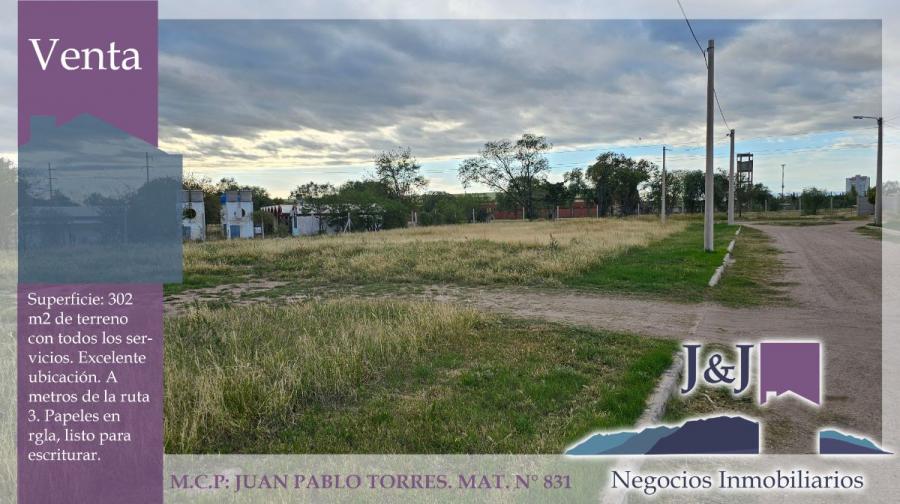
731,182
709,197
662,196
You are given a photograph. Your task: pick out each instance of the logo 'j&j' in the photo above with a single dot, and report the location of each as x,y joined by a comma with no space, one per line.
783,367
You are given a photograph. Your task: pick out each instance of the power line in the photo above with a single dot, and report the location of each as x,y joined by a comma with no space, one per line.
705,61
691,28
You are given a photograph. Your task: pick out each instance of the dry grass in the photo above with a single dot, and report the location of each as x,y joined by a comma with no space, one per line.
380,376
233,372
522,253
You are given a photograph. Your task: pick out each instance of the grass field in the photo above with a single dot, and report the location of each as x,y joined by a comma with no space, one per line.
637,257
504,253
382,376
676,267
379,374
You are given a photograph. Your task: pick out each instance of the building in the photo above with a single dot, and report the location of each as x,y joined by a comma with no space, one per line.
860,182
237,214
193,216
302,221
308,220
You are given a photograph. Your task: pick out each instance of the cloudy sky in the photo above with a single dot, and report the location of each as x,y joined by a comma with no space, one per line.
278,103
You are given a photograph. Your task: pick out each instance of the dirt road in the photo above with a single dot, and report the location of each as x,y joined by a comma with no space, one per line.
836,287
835,277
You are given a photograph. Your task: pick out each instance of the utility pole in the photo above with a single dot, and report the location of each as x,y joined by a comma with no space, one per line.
880,121
878,173
662,198
50,180
782,184
710,188
731,182
147,165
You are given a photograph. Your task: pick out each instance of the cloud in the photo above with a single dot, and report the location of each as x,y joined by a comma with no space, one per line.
320,93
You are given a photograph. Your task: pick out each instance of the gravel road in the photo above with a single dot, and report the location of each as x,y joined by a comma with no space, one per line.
835,277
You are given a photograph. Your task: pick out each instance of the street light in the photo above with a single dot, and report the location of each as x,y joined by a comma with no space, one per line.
880,121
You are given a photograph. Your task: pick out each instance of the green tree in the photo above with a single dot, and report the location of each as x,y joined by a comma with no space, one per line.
368,204
693,187
556,194
398,170
813,199
312,196
851,196
674,189
513,169
617,179
577,185
443,208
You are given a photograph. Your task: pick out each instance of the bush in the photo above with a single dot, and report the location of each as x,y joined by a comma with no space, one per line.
813,199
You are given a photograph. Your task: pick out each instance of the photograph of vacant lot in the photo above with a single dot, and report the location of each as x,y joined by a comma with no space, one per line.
398,242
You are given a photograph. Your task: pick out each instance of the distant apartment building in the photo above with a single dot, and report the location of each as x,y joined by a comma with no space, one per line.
861,184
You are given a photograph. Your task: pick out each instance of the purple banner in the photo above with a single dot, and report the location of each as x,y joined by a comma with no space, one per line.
90,393
98,58
90,356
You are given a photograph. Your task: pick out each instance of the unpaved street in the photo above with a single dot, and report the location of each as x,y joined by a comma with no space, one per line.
835,277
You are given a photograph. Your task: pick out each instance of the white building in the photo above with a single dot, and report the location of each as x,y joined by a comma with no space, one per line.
861,183
237,214
303,220
193,216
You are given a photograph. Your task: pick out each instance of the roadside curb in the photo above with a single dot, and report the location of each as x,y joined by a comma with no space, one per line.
717,275
665,389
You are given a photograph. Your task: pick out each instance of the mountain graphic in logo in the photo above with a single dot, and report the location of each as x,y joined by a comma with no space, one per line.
716,435
832,442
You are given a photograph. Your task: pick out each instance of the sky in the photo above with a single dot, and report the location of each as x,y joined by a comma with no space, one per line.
280,103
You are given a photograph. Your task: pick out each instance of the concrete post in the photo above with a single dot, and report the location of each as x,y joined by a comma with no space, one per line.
709,198
731,182
878,173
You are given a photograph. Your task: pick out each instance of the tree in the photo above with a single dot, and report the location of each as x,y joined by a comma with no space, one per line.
398,170
362,200
443,208
674,189
851,196
577,185
617,179
311,191
693,187
556,194
813,199
314,196
720,192
513,169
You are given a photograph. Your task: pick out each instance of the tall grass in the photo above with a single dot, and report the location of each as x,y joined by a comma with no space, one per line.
379,376
524,253
245,372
